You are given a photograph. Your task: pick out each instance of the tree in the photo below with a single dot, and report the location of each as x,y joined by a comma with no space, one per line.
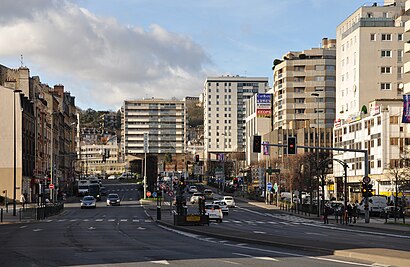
168,159
399,171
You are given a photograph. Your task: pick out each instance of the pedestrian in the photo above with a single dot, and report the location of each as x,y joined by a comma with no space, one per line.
355,212
349,213
326,214
22,201
342,214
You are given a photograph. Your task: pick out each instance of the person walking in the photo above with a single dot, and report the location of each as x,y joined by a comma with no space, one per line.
326,214
354,212
22,201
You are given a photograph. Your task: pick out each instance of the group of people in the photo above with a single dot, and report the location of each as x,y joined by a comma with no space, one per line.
348,215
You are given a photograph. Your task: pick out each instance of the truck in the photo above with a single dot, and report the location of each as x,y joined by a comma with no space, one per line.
376,204
82,187
94,190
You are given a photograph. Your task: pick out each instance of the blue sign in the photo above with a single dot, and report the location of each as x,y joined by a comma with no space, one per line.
269,186
154,194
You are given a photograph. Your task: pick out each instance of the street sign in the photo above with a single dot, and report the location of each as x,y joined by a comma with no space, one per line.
366,179
269,186
51,186
154,194
275,187
148,193
171,193
266,148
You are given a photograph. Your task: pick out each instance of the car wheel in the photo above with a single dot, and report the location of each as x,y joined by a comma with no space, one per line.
220,220
82,207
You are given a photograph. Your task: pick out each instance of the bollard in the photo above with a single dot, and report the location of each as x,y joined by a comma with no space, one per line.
1,216
158,212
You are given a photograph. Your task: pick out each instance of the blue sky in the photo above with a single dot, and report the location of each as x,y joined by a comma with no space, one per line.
105,51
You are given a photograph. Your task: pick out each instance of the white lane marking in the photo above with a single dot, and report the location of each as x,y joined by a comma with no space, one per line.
259,232
86,220
265,258
198,237
124,220
91,228
48,221
237,221
223,241
74,220
307,233
242,244
252,211
230,262
357,231
111,220
37,230
148,221
62,220
24,226
273,222
141,228
135,220
163,262
99,220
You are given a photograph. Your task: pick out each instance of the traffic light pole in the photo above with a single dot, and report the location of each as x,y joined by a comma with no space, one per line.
366,169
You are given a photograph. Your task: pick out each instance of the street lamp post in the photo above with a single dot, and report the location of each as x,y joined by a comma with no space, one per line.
316,95
14,154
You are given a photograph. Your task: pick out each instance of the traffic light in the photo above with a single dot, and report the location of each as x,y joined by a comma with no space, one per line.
369,190
257,143
364,190
196,158
291,145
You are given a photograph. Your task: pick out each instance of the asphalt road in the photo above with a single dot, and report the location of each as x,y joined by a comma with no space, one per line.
125,236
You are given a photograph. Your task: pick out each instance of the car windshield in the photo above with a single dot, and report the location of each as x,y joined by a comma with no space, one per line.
88,198
112,196
228,198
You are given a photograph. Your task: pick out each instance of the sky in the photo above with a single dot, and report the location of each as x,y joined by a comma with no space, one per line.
108,51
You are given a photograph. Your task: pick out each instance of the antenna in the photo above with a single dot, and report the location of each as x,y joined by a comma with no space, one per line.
21,60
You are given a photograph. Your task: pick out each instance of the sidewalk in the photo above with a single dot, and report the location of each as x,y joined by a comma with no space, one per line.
375,223
379,255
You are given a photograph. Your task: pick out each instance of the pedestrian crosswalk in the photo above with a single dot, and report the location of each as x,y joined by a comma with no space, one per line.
277,219
99,220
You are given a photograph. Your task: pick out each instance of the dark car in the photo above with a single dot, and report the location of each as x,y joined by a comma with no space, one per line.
103,191
113,199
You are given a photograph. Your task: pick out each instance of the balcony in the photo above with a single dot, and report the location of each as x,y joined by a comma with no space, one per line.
406,47
406,68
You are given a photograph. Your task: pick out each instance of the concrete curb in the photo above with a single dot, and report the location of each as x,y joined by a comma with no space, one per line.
395,257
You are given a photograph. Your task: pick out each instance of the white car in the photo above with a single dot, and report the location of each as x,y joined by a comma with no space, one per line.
192,189
195,197
112,177
223,205
230,202
214,212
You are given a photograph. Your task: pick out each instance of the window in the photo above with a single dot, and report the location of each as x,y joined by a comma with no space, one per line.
319,67
385,70
300,100
394,141
386,53
319,78
385,86
372,37
394,119
319,89
399,55
330,67
386,37
400,37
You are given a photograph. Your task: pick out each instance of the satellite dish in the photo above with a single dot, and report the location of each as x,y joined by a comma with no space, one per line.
401,85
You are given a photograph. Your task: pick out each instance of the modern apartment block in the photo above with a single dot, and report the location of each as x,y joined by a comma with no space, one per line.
370,83
164,121
304,96
224,101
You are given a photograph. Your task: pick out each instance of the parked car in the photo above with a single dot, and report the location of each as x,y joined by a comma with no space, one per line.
88,202
196,196
223,205
192,189
112,177
214,212
229,201
113,199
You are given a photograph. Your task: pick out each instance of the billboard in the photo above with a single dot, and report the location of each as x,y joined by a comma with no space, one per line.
263,105
406,109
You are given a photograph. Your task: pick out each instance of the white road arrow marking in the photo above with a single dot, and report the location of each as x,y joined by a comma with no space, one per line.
141,228
37,230
91,228
163,262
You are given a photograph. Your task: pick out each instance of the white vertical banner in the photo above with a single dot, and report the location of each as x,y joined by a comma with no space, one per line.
146,146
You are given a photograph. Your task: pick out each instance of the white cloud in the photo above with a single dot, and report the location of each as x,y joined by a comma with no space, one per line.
111,61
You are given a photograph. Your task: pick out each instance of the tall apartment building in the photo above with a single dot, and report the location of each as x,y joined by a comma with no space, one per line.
164,121
304,96
370,60
224,101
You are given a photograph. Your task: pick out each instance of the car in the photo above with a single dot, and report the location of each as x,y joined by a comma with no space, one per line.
192,189
112,177
196,196
113,200
229,201
88,202
223,205
208,194
214,212
103,191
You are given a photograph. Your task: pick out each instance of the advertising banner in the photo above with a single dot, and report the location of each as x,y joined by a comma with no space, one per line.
406,109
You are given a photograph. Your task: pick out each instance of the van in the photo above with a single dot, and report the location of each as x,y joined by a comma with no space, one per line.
376,204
